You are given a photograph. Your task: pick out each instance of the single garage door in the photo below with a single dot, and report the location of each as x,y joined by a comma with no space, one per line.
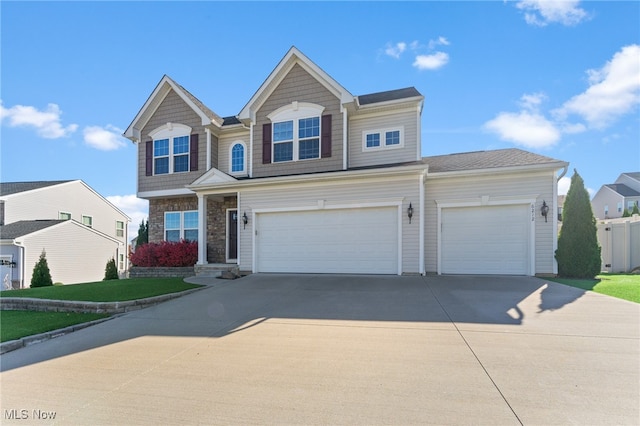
485,240
362,241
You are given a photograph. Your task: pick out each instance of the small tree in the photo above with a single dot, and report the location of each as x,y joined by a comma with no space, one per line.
143,233
578,252
635,209
626,213
111,271
41,276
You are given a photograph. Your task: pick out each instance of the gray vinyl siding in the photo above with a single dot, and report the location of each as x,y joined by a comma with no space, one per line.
174,110
71,197
224,146
74,254
607,197
299,86
506,185
406,120
629,181
358,191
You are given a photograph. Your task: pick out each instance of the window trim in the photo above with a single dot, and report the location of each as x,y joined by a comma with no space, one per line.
61,213
383,139
120,229
181,228
90,225
244,158
295,112
170,131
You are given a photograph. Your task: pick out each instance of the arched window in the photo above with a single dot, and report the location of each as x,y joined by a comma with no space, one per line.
237,157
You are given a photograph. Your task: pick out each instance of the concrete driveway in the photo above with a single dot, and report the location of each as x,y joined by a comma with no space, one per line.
310,349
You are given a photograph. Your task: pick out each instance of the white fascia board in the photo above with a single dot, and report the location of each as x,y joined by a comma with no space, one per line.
498,170
165,193
393,102
104,199
213,176
132,131
342,176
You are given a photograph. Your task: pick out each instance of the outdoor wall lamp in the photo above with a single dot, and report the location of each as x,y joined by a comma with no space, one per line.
245,219
544,210
410,212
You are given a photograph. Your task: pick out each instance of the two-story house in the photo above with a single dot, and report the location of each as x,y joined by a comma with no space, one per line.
309,178
611,200
79,230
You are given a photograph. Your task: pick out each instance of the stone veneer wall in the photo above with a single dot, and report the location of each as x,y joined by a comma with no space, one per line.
216,221
217,228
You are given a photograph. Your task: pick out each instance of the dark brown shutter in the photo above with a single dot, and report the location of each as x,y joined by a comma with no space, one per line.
266,143
193,148
326,136
148,159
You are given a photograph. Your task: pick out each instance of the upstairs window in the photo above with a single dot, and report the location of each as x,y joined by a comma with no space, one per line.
87,221
238,164
620,207
382,139
119,228
297,131
64,215
173,150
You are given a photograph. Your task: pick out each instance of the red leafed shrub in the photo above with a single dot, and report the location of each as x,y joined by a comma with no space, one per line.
165,253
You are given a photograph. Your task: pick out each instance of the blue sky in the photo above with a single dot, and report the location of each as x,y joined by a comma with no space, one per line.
557,78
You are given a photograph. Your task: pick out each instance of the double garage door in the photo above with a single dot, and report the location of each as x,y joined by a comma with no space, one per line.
486,240
355,240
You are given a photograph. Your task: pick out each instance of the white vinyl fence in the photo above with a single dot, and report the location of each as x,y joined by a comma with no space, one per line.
620,242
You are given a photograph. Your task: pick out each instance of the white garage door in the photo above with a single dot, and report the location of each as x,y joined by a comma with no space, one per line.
362,241
486,240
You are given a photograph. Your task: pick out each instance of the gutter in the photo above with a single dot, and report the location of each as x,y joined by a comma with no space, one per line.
498,170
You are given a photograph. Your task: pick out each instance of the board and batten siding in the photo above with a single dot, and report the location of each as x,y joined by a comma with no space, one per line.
174,110
71,197
74,254
224,145
299,86
406,120
515,185
355,193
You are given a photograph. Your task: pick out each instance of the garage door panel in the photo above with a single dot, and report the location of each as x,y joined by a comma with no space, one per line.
486,240
363,240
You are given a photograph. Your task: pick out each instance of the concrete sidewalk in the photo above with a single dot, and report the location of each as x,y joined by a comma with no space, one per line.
309,349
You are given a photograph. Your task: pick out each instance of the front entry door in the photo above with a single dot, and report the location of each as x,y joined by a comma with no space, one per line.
232,235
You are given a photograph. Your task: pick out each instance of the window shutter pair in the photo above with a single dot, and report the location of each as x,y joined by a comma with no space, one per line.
325,140
193,158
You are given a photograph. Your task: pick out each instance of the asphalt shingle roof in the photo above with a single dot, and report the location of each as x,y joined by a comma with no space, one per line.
8,188
485,160
623,190
635,175
390,95
25,227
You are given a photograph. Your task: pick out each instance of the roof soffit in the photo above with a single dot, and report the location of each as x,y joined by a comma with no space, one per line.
293,57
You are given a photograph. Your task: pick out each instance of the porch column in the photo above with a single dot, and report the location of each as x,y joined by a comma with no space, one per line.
202,229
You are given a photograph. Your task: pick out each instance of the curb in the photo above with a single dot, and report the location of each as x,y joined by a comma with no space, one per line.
115,308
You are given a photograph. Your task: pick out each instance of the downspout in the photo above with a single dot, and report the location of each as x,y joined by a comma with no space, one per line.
250,159
421,226
345,134
208,132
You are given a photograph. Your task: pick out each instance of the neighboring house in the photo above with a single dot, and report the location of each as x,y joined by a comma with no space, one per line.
613,199
561,199
78,229
309,178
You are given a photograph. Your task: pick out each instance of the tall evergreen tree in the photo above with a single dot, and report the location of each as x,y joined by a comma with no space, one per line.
578,252
41,276
111,271
143,233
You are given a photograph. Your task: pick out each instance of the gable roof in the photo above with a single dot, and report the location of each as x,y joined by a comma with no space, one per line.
500,158
623,190
633,175
389,95
25,227
166,84
8,188
292,57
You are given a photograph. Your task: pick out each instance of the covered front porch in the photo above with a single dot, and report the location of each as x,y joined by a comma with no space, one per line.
217,229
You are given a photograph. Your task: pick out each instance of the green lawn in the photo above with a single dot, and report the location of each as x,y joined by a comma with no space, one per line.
17,324
106,291
622,286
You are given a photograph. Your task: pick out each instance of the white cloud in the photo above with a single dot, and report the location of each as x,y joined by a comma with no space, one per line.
104,138
532,102
526,128
431,62
614,90
47,123
136,208
440,41
395,50
563,185
543,12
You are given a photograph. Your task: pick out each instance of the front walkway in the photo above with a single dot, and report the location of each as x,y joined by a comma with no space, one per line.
308,349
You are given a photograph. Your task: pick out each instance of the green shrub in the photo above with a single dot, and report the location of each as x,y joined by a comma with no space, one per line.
111,271
578,252
41,275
